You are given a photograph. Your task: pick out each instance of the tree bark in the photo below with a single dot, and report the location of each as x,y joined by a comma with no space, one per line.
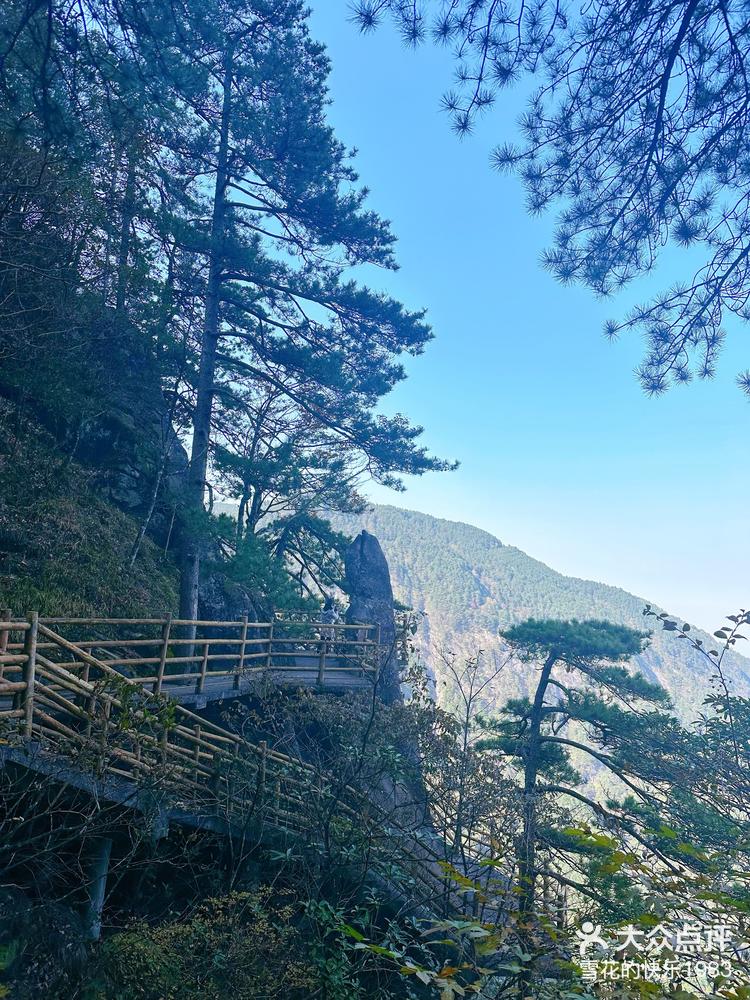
527,854
123,254
253,516
192,543
241,516
168,436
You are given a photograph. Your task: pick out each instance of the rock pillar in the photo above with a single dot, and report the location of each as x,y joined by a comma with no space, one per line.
368,583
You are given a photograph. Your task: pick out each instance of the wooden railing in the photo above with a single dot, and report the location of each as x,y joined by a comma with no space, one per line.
59,699
57,692
164,654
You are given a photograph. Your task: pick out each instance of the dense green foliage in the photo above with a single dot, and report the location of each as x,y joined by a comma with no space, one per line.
576,642
332,913
242,945
595,717
179,228
667,841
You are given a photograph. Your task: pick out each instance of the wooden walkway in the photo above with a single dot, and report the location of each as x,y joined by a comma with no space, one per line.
110,715
118,702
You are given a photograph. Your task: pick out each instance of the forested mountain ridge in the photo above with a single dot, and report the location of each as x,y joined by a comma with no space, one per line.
471,586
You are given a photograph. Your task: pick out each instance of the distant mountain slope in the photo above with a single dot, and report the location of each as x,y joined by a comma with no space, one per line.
471,585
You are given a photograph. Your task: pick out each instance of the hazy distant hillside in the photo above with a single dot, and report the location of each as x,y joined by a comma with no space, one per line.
471,585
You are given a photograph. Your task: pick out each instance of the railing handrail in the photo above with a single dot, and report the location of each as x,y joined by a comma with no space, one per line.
200,734
279,618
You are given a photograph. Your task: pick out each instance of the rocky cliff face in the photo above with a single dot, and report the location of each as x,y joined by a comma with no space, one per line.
471,586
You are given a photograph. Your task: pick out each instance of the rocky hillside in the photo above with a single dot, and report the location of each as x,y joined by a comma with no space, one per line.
470,586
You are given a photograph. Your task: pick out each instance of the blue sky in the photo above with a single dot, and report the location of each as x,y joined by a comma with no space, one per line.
561,454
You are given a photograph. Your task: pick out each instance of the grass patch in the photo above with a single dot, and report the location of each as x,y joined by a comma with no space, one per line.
64,551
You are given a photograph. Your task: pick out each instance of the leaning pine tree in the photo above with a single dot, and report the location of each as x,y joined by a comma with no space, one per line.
591,711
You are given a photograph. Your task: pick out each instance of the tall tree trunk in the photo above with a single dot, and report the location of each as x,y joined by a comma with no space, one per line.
123,254
466,728
253,514
527,854
241,515
192,543
168,435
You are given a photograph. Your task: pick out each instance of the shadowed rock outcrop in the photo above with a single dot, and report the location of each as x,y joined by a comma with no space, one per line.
368,583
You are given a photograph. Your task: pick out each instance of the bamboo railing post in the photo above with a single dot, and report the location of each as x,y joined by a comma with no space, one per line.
204,667
233,767
165,630
241,657
197,755
29,672
213,757
90,710
84,676
322,660
374,659
106,709
270,645
215,781
4,617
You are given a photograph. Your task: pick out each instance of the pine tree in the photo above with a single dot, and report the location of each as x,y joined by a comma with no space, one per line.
206,260
636,128
286,222
587,703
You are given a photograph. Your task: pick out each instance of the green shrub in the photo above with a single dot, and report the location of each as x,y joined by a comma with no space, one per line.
244,947
133,965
